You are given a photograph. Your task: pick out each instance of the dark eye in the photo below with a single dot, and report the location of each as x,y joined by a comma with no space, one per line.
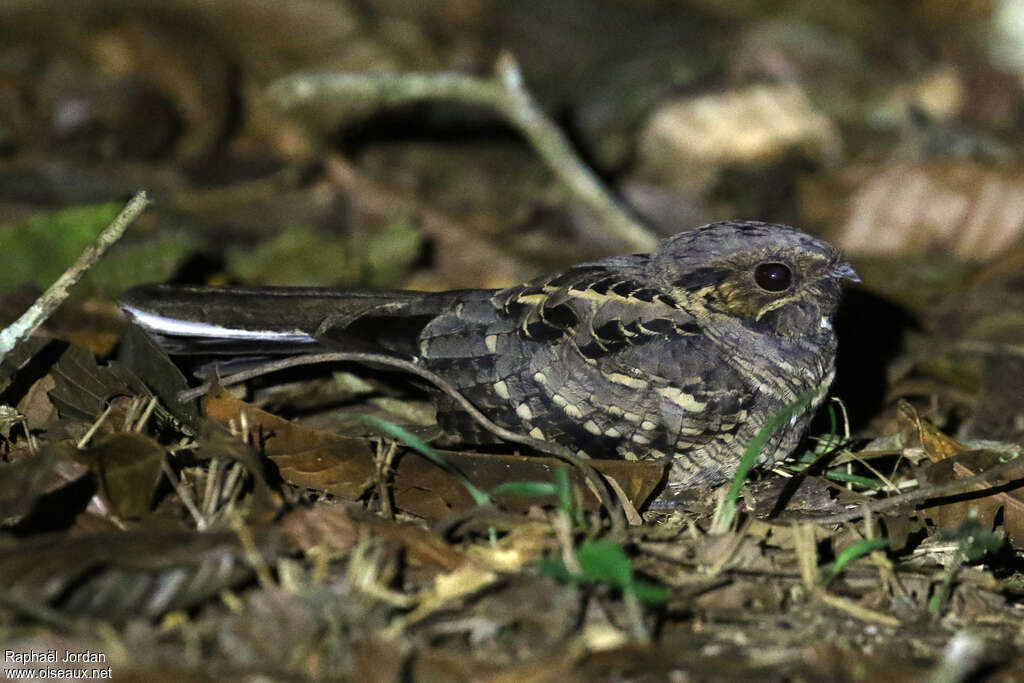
773,277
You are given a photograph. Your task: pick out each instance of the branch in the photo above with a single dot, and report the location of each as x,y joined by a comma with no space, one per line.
1008,469
58,292
503,93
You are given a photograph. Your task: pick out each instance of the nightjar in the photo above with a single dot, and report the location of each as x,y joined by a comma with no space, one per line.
683,353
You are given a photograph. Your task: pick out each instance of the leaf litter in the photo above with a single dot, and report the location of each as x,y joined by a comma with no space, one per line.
429,572
271,530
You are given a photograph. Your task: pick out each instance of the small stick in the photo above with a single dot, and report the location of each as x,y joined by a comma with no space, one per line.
1007,468
52,298
184,494
504,93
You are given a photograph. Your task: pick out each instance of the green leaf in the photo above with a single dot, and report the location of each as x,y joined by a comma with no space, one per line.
649,593
605,561
556,569
849,554
564,490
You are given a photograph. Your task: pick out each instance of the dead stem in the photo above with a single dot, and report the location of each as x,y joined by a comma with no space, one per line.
506,94
52,298
924,493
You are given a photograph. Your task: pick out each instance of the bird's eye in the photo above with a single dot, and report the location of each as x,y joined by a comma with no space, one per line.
773,277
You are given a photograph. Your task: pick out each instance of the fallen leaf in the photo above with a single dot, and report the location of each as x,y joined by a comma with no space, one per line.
83,389
127,467
140,355
1007,503
937,446
328,526
344,467
339,465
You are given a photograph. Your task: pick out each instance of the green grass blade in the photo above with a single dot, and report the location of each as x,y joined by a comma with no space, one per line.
858,549
409,439
727,511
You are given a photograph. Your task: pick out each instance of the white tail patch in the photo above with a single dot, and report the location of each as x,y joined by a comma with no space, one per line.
188,328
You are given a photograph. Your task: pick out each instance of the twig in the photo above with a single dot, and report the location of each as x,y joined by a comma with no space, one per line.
384,459
94,428
52,298
991,348
505,94
144,418
615,512
924,493
185,495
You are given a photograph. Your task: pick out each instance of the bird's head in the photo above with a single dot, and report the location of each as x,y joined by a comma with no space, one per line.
772,277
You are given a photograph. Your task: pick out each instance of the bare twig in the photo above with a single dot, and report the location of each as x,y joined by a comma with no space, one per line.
185,495
608,500
505,94
52,298
384,459
94,428
925,493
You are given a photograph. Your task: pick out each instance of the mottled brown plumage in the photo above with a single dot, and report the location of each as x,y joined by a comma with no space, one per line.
683,353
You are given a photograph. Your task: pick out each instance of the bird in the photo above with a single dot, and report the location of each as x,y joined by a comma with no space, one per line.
680,355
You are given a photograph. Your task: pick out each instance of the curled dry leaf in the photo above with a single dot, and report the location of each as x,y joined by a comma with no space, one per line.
127,466
952,460
937,446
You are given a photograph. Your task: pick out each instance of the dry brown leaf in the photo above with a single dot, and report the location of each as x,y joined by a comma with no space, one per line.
964,207
936,445
24,481
422,488
339,527
988,507
127,467
314,459
422,547
344,467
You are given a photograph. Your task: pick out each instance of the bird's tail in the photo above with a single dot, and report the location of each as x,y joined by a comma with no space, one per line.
282,320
